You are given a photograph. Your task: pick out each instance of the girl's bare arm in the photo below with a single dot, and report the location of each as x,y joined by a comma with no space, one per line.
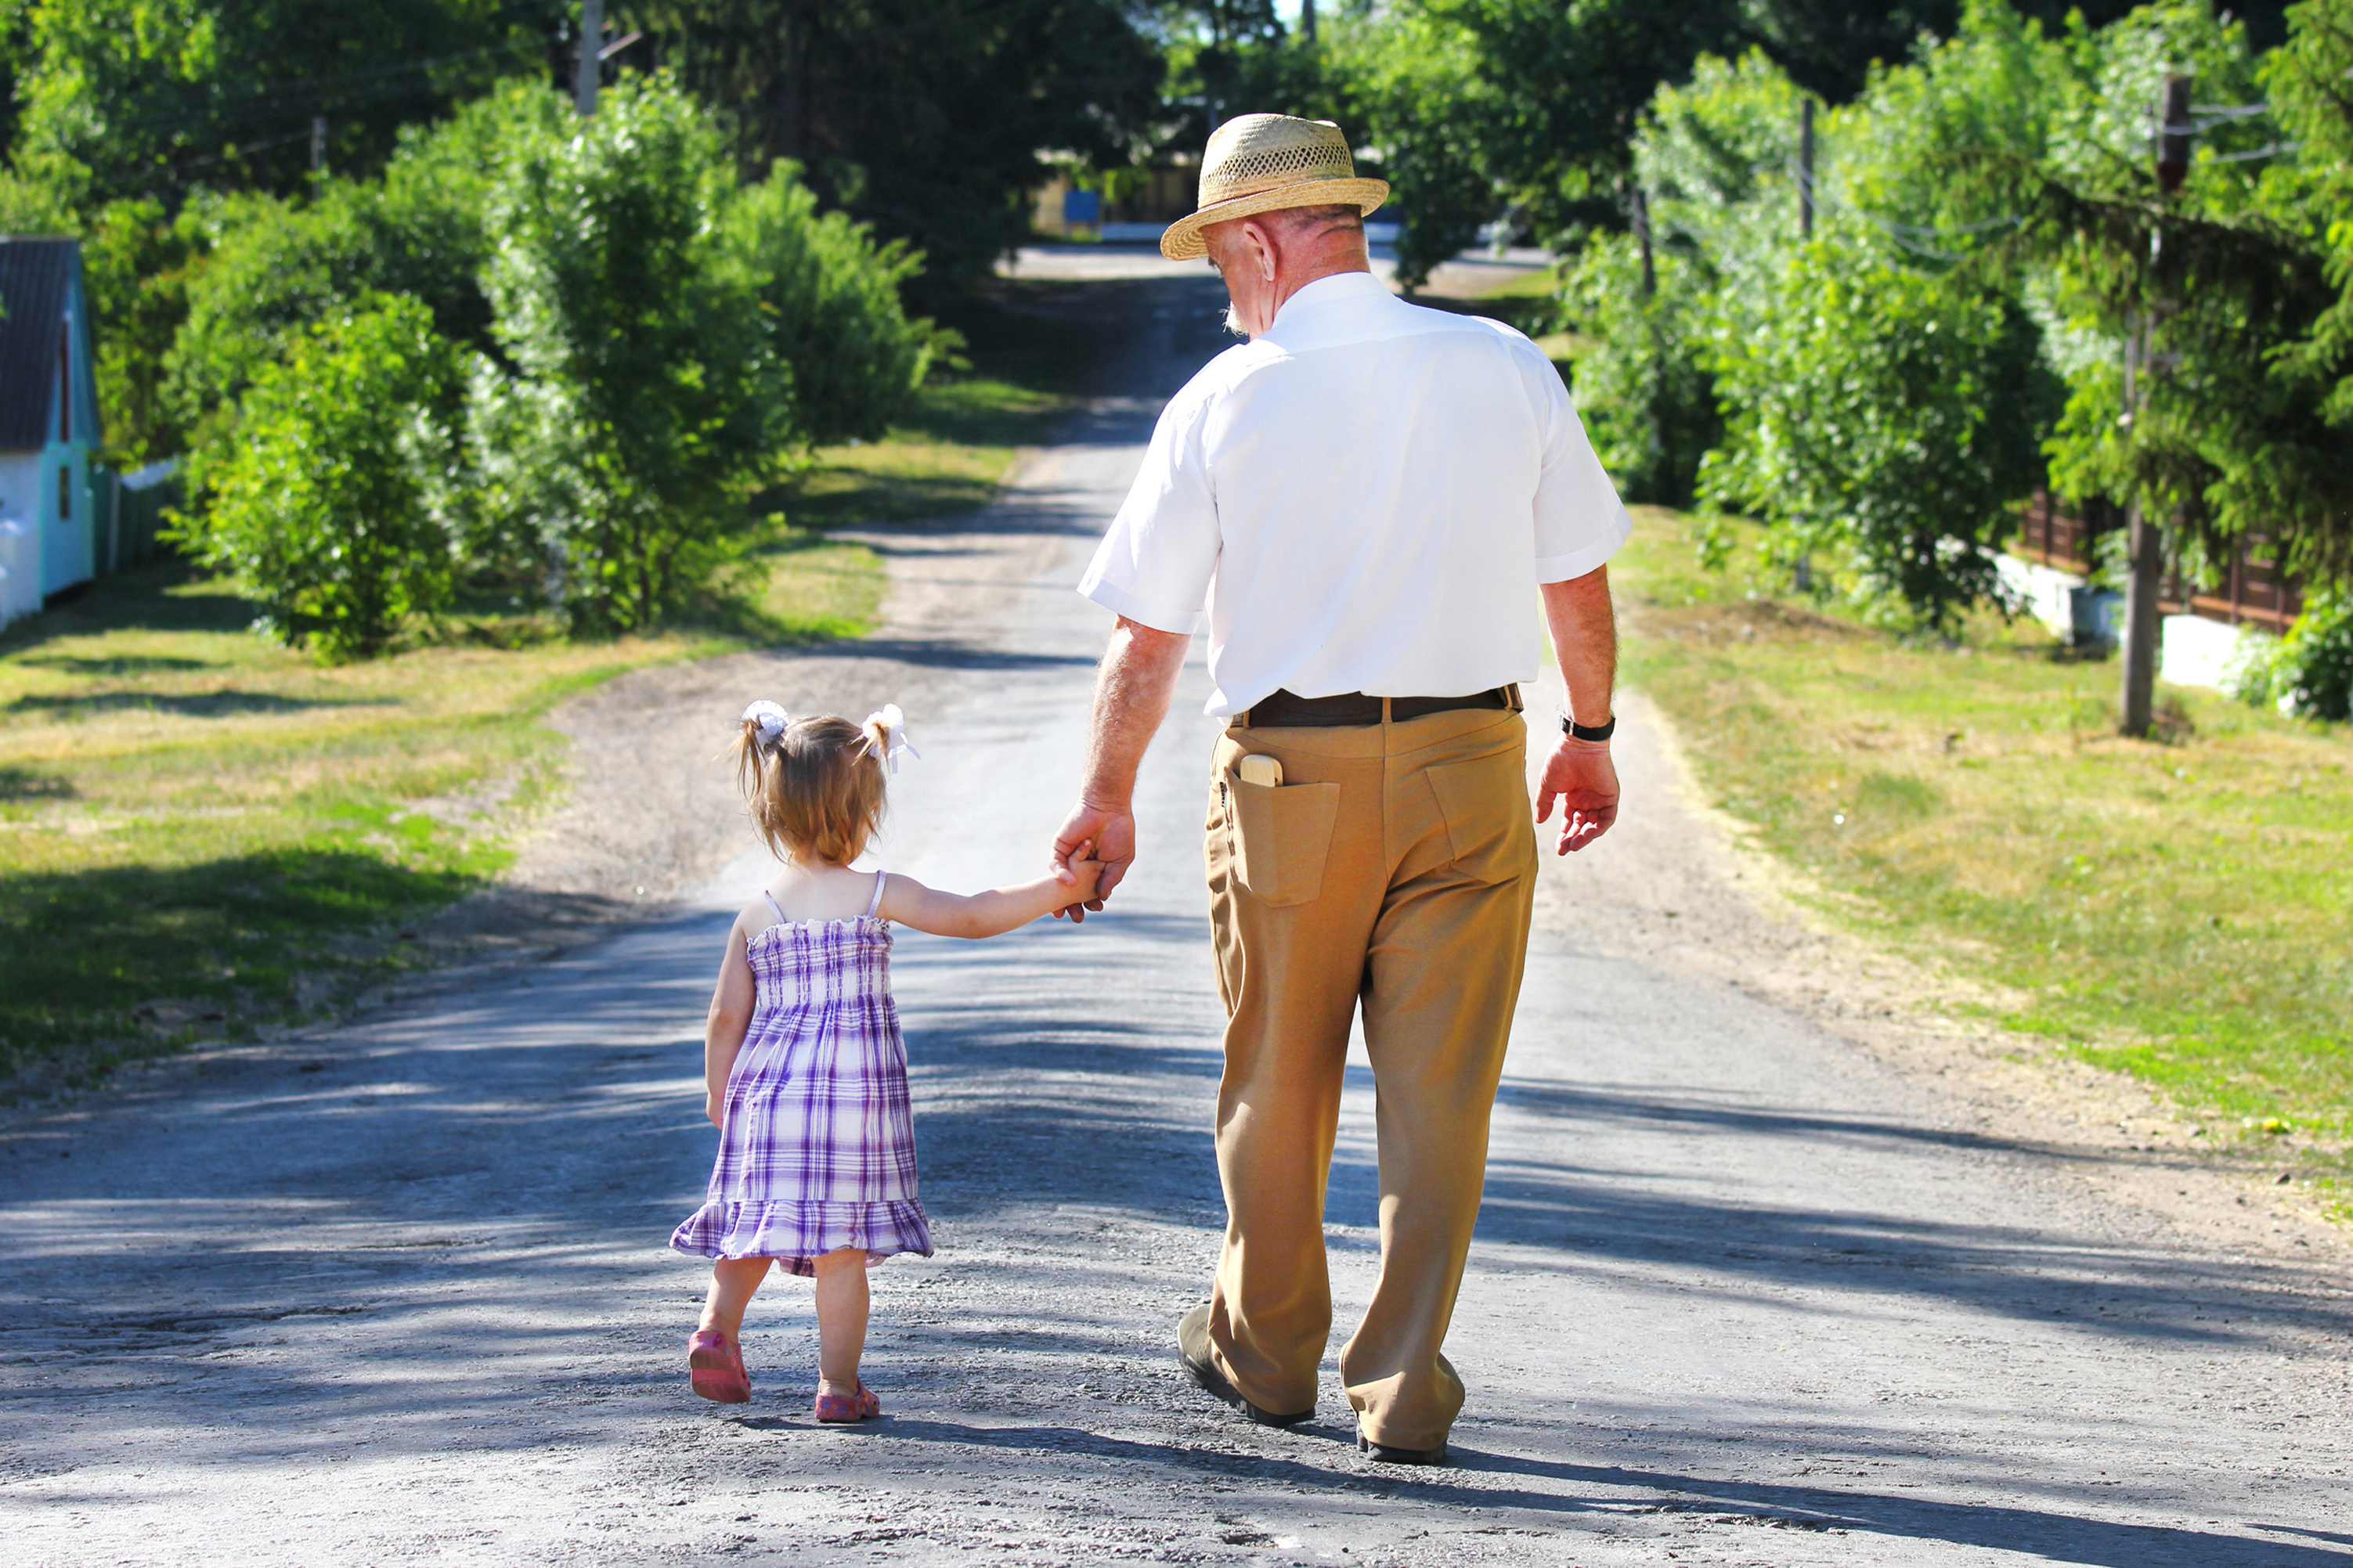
910,902
730,1017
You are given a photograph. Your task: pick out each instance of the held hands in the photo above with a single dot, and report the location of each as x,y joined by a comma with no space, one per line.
1098,837
1581,775
1085,875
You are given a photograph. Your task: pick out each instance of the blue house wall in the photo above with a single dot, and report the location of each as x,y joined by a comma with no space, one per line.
49,436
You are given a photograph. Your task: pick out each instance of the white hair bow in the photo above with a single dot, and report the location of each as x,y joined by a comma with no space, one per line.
770,717
886,735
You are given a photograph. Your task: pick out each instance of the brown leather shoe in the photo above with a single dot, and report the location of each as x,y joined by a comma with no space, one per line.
1193,1350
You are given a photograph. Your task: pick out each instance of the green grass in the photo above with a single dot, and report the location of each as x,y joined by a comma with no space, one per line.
203,834
2180,911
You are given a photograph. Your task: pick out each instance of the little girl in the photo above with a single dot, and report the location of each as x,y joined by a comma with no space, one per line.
806,1069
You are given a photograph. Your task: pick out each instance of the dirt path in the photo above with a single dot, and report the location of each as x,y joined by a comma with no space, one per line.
1742,1291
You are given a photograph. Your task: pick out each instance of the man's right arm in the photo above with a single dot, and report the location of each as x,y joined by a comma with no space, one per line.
1134,687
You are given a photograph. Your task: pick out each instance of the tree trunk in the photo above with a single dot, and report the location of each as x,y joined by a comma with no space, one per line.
2143,544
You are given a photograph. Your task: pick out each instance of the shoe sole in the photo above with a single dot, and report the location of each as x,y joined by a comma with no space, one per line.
1382,1453
708,1374
1212,1382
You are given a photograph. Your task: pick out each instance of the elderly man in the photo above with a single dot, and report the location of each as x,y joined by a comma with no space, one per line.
1365,505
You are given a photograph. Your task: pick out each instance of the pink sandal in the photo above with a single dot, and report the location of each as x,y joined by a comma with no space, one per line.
843,1409
715,1368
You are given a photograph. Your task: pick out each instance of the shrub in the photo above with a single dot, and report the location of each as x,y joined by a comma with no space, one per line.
830,299
319,500
1885,415
647,403
1643,388
2308,672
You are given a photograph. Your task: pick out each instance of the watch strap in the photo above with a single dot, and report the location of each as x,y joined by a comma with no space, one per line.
1575,730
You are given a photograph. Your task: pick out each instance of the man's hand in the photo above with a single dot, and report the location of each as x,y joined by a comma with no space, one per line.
1581,775
1111,830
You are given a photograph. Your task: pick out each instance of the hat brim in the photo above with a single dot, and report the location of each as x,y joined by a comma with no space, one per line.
1181,241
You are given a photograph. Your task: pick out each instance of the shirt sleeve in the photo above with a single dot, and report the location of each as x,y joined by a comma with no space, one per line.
1580,521
1155,562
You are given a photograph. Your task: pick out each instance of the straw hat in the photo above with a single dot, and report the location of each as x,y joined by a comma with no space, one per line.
1259,162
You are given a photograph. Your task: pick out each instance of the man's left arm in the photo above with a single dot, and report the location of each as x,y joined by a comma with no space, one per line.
1580,774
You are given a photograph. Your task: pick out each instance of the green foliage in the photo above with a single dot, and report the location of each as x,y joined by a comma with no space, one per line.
272,266
647,401
1990,237
319,503
649,343
2310,672
831,297
925,120
135,263
1884,415
134,97
1645,389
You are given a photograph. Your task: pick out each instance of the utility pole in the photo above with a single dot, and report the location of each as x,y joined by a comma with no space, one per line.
319,147
2143,535
592,64
1806,168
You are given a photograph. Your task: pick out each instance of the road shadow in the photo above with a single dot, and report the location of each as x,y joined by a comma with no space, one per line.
1484,1481
189,704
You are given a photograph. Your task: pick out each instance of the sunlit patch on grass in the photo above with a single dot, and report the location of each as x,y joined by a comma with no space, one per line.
2180,909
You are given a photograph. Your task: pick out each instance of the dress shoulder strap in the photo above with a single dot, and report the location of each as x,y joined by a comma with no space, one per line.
774,908
875,903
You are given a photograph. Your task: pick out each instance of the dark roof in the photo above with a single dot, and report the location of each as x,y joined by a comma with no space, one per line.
34,277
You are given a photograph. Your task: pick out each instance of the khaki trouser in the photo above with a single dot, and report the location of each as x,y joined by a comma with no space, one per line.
1393,865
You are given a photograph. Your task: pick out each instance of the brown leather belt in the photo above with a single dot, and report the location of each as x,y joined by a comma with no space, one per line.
1284,710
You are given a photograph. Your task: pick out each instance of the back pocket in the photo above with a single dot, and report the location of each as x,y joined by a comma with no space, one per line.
1489,822
1282,834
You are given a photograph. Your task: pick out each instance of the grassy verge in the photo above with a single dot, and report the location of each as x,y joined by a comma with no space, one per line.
2181,910
203,834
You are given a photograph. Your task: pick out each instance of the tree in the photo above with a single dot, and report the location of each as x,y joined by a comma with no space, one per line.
647,403
1885,415
153,98
830,299
319,504
1646,388
923,118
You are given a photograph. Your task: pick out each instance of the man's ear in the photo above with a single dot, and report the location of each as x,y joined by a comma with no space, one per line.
1261,244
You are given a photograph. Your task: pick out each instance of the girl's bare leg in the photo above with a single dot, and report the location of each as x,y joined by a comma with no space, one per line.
732,1280
840,1319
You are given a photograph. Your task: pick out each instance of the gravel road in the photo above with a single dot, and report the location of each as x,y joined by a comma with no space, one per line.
1742,1293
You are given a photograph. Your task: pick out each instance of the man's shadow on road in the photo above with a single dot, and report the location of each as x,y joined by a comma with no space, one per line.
1483,1480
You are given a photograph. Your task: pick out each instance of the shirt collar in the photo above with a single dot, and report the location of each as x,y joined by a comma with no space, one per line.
1331,291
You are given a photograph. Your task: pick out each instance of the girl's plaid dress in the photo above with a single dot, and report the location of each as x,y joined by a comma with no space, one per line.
816,1145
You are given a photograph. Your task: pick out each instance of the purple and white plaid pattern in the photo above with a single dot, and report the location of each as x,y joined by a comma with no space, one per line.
816,1146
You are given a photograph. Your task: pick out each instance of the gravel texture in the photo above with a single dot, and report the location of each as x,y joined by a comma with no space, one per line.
1769,1271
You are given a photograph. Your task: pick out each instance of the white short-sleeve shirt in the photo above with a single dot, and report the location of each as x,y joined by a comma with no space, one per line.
1362,499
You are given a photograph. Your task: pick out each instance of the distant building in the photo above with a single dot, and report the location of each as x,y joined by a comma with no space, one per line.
2050,565
49,480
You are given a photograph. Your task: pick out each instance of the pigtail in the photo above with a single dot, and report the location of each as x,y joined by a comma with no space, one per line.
759,753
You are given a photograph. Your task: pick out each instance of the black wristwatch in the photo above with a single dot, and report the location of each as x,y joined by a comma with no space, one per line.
1575,730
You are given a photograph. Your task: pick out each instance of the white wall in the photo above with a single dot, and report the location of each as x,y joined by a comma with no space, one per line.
2060,600
2197,651
20,536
